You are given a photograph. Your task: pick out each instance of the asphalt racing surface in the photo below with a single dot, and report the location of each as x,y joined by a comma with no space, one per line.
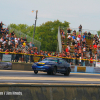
15,76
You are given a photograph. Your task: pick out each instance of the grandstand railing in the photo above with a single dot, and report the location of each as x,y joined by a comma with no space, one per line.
30,58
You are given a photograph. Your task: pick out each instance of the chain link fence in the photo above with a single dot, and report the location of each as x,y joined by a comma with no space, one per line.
29,39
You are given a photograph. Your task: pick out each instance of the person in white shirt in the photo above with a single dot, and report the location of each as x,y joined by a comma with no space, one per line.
9,42
1,40
4,42
78,39
69,36
30,44
16,41
84,51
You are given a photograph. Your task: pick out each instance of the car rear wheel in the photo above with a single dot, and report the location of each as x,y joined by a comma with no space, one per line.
35,72
67,73
49,73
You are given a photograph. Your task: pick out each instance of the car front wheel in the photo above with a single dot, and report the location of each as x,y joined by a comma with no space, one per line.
67,73
35,72
49,73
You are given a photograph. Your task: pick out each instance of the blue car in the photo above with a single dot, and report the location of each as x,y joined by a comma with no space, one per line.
52,66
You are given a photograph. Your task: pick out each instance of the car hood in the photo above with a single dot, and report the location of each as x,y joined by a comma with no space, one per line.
46,62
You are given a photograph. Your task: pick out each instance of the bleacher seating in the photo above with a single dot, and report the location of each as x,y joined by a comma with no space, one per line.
72,49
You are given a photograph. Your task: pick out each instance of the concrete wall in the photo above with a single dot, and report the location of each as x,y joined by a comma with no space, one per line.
21,66
51,92
25,66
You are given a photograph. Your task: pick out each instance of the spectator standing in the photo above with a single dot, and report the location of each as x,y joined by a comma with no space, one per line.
85,33
83,36
17,56
13,33
98,53
1,25
74,32
79,35
16,43
90,50
24,44
78,39
68,31
63,34
99,38
80,61
77,58
98,44
25,39
84,51
73,60
27,56
94,62
84,42
89,35
95,46
91,61
30,44
67,50
63,43
95,38
69,37
73,37
80,29
73,42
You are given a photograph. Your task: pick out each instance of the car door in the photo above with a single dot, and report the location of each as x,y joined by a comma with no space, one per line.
61,65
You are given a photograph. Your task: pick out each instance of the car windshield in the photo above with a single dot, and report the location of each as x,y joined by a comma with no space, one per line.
50,59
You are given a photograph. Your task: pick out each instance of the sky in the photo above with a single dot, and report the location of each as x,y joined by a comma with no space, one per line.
76,12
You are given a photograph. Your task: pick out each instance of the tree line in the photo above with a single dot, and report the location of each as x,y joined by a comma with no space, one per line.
46,33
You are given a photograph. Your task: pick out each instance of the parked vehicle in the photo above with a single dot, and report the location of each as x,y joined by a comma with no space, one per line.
5,65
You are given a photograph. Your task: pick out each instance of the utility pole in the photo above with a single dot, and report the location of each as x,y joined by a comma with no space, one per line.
34,24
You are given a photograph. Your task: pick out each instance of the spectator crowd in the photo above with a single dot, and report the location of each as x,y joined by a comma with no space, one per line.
80,46
75,47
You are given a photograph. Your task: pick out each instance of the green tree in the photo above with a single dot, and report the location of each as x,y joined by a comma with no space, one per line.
28,30
46,33
98,33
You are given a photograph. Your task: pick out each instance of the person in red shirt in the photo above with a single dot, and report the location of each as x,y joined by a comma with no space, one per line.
78,43
91,62
95,46
79,36
6,52
36,52
67,50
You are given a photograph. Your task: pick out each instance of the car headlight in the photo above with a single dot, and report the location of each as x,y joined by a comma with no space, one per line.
47,65
34,64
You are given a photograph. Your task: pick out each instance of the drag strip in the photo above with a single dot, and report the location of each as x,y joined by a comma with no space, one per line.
13,76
